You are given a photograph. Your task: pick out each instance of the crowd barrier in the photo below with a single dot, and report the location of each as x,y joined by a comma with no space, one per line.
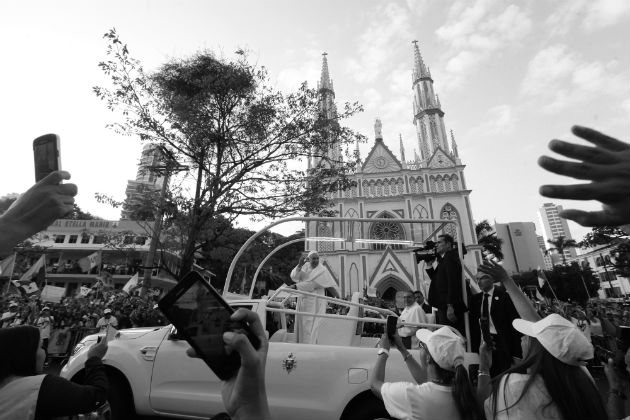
63,340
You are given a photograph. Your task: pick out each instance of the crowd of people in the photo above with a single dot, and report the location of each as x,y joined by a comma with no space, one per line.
549,381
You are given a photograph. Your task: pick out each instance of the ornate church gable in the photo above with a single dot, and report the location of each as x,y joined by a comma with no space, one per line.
381,159
440,159
390,264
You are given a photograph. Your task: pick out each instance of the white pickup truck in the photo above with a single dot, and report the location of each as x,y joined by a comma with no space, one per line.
151,374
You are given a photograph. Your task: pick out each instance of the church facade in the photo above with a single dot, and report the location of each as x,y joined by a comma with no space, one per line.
430,186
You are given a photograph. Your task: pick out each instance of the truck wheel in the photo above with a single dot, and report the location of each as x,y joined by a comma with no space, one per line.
371,409
120,397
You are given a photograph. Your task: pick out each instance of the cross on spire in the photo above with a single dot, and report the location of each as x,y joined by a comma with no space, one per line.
325,81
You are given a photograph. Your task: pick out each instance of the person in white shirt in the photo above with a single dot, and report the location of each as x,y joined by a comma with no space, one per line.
44,323
556,385
107,319
412,312
442,389
313,278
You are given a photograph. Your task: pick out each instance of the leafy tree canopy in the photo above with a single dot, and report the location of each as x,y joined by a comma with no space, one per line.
239,145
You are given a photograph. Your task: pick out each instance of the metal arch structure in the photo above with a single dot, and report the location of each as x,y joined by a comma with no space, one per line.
262,263
440,224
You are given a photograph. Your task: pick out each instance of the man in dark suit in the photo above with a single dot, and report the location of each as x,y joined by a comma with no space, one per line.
419,297
495,305
445,291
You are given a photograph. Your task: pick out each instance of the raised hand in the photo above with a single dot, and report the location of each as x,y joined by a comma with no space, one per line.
607,166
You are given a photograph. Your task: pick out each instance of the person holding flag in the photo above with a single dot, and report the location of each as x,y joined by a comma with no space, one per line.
91,261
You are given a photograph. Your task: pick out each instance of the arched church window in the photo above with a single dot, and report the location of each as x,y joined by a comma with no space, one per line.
447,183
421,230
440,183
450,213
401,186
455,182
372,189
379,188
387,230
434,133
324,229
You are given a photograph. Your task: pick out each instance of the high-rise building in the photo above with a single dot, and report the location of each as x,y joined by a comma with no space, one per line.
386,186
521,251
546,257
554,226
147,181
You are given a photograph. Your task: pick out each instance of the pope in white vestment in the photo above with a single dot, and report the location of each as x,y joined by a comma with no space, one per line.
313,278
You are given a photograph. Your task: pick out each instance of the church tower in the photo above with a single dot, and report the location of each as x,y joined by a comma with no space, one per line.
328,110
428,116
389,188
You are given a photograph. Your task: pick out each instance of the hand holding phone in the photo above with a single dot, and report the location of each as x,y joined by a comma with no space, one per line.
392,322
46,154
205,321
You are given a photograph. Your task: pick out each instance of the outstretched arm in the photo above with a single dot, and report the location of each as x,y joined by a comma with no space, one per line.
521,302
606,166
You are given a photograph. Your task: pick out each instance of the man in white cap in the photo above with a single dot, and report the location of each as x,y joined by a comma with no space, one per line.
107,319
313,278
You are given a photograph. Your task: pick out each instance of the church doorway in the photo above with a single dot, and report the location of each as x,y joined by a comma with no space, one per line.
390,290
390,294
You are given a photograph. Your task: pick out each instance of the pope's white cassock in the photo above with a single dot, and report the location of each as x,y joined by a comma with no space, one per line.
313,280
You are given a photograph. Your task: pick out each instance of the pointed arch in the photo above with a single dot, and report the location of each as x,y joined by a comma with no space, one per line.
356,227
455,182
420,212
324,229
353,276
449,212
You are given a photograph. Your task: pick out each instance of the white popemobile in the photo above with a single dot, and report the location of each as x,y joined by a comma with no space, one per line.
150,373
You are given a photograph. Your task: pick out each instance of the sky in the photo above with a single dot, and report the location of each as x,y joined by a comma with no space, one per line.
510,76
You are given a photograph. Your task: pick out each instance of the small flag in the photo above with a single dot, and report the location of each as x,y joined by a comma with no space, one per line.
34,270
83,291
132,283
28,288
539,296
89,262
6,266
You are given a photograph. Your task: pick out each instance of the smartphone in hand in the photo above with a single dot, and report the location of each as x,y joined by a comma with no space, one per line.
46,154
201,316
392,322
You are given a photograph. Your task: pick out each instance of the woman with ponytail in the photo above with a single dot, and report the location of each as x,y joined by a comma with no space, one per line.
442,389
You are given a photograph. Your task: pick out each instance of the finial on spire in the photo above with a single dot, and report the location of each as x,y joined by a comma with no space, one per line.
419,69
402,152
378,129
325,81
416,158
437,99
454,145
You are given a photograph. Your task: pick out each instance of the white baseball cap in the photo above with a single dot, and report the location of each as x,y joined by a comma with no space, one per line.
12,304
45,308
559,337
107,311
445,347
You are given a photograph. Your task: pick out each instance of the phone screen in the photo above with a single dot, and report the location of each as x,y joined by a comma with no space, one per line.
391,325
46,153
201,316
